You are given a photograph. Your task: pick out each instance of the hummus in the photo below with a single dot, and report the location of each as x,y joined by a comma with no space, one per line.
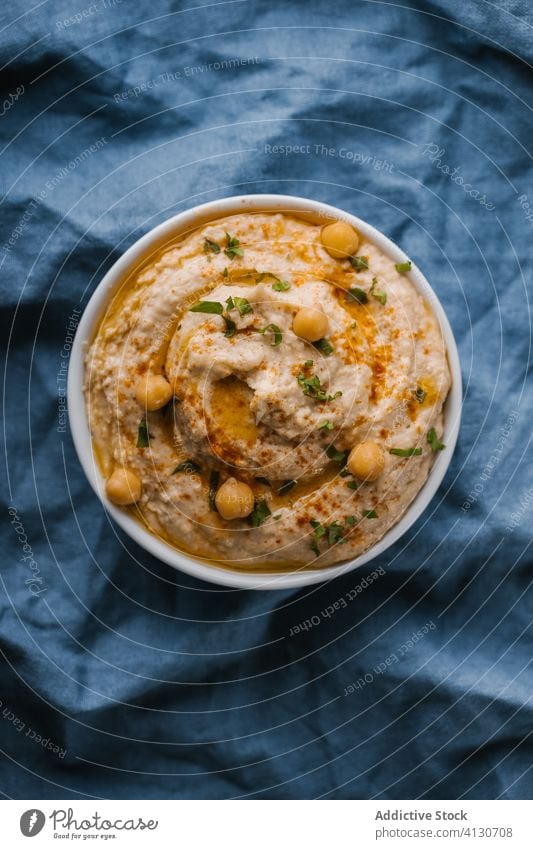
252,400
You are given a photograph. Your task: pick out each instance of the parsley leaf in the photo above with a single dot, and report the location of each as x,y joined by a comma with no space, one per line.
434,441
402,267
208,306
336,455
216,308
379,296
212,247
276,331
311,387
324,346
370,514
260,512
242,304
327,425
357,295
353,484
319,530
405,452
188,466
308,363
233,248
334,533
360,263
143,437
281,286
230,326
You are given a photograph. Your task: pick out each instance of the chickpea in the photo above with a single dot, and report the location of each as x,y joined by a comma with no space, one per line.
234,499
153,392
366,461
123,487
310,323
339,239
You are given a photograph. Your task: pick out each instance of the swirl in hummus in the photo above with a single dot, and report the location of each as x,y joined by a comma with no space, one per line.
268,392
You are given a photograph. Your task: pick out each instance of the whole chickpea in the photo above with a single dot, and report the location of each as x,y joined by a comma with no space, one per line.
339,239
123,487
152,392
310,323
366,461
234,499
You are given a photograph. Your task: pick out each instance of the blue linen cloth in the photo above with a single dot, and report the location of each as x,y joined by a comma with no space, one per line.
409,678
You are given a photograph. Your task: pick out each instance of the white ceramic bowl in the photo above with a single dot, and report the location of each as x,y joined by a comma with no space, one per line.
165,233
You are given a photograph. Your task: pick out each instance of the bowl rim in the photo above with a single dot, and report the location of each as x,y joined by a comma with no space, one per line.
79,425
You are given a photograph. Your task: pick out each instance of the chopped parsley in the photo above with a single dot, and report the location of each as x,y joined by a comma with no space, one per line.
370,514
213,487
379,296
308,363
214,307
402,267
357,295
233,248
260,512
188,466
317,533
336,455
359,263
230,326
405,452
242,304
353,484
324,346
334,532
225,272
286,486
143,437
276,331
419,394
281,286
434,441
211,247
327,425
311,387
319,530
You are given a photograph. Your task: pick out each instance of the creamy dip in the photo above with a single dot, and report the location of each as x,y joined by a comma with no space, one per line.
241,395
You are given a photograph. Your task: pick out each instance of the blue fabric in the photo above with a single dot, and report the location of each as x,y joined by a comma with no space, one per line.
123,678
